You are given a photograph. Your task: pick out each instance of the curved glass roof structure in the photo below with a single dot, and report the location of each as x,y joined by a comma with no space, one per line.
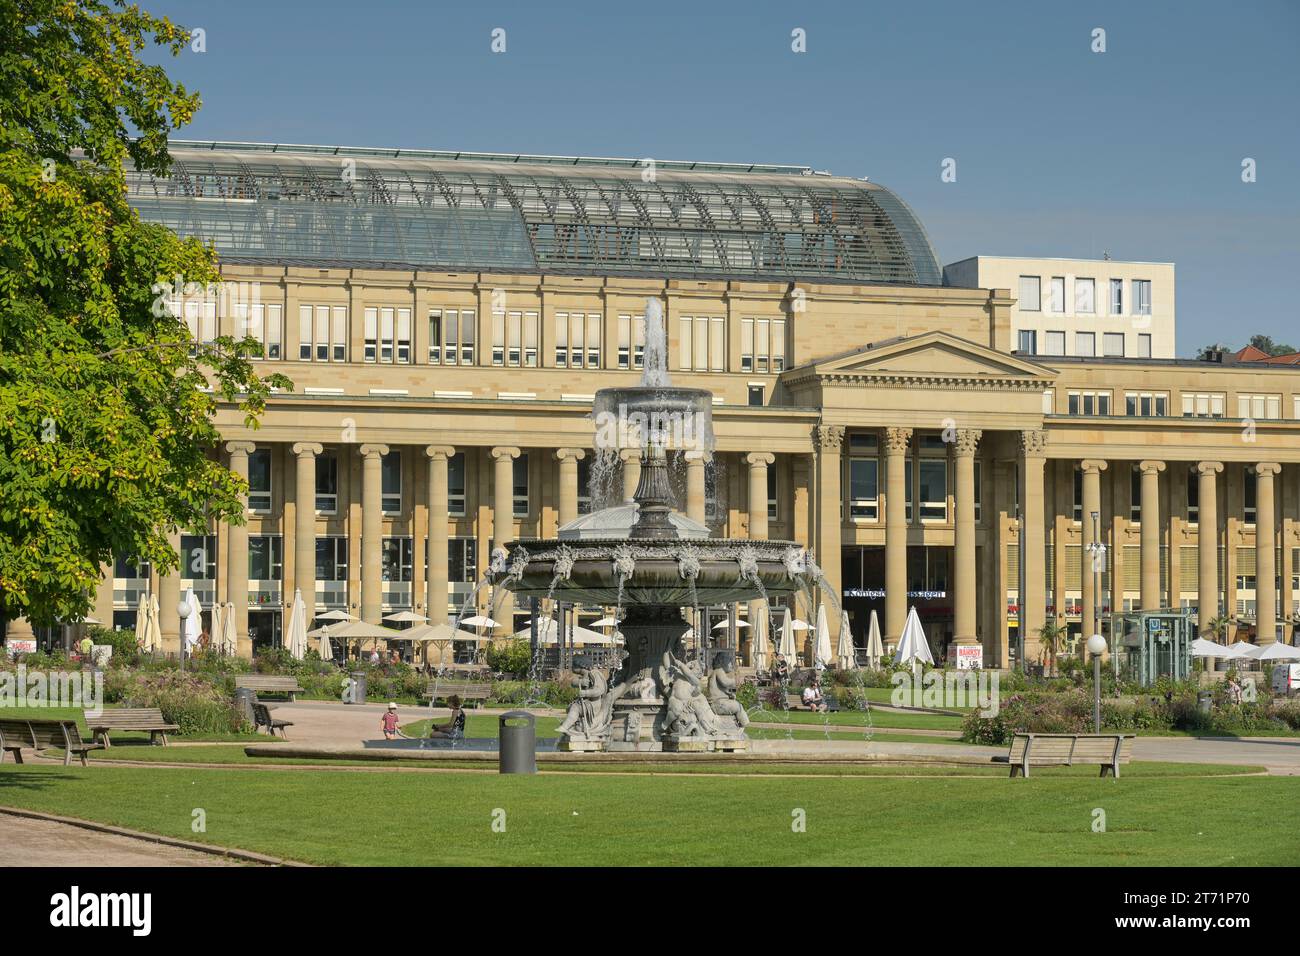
410,209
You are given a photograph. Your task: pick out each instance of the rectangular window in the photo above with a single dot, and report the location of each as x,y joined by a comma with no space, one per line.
1078,496
1193,496
265,557
1028,342
1088,403
934,490
391,483
1141,296
498,338
397,558
1144,345
520,485
371,335
1259,407
259,480
762,345
263,322
322,333
979,490
771,492
702,343
1058,293
1116,296
1085,343
198,557
1250,501
456,485
593,339
907,482
1054,343
1112,344
1135,495
631,341
864,489
387,335
1146,404
1203,404
584,485
327,484
1031,294
577,339
332,558
756,395
451,336
1085,296
462,560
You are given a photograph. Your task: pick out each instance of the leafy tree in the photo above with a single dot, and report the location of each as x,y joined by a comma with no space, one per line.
1051,637
1266,344
105,429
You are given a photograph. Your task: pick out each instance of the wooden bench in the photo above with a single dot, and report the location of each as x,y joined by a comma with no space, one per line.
795,702
40,735
142,719
1066,750
467,691
262,718
269,684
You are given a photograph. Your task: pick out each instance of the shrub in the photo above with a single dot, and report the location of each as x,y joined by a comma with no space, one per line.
1036,712
747,695
510,657
187,700
125,649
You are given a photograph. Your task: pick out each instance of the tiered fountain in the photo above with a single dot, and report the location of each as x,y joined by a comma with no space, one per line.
650,562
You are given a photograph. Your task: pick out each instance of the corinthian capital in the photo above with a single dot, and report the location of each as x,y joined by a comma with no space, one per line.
1033,442
968,441
897,439
829,438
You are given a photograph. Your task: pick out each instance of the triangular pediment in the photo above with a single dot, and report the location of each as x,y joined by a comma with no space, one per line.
929,356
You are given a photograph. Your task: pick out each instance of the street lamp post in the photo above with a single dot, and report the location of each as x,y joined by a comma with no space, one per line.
1096,647
184,611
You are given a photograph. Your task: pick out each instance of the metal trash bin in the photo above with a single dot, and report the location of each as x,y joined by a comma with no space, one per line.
518,737
1204,701
245,698
358,689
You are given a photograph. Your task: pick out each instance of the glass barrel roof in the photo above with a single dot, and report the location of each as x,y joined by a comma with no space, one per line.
346,207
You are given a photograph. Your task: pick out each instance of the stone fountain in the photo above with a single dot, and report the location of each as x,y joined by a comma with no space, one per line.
651,561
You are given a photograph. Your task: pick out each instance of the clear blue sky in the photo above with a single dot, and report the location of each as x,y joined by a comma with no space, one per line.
1060,151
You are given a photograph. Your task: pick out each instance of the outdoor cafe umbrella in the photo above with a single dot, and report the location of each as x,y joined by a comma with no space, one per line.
214,635
1203,648
822,647
229,642
875,647
142,621
845,657
912,645
606,622
193,624
360,631
439,635
1279,652
326,651
406,616
1242,649
336,615
758,654
726,622
547,633
786,647
297,631
153,632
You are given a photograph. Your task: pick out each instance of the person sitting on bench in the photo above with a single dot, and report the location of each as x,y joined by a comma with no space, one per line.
454,728
812,696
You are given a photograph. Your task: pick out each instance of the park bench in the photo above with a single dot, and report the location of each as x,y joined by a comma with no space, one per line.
466,690
143,719
1065,750
262,718
269,684
42,735
795,702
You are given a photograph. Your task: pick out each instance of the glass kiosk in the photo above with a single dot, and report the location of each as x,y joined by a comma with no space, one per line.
1148,645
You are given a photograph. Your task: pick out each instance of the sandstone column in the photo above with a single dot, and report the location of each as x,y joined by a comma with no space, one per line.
236,567
1150,534
1265,554
828,440
965,610
503,524
372,531
896,444
304,531
568,459
1033,446
436,584
759,462
1092,600
631,471
169,586
696,495
1207,589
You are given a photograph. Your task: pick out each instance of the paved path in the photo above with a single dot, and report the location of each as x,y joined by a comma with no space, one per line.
28,842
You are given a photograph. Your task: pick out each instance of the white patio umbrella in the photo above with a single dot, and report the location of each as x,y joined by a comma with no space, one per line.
875,647
1203,648
1279,652
336,615
229,642
153,630
439,635
725,622
786,648
912,645
406,616
326,650
822,646
193,625
758,653
214,635
296,633
479,620
548,633
845,657
142,621
1242,649
606,622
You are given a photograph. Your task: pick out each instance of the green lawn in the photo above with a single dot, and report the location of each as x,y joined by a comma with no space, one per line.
446,819
117,736
849,718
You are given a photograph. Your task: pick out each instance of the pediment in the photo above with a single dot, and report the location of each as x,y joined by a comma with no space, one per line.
930,358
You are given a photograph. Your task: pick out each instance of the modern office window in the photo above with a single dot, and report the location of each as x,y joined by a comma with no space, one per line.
1144,345
1259,407
391,483
259,480
1085,296
864,489
1146,404
934,489
198,557
1054,343
1031,294
1141,296
397,555
1088,403
322,333
1027,342
1249,493
129,567
756,395
456,485
332,558
1058,293
263,322
1116,296
327,484
762,345
771,492
520,485
1203,404
1112,344
1085,343
702,343
451,336
577,339
388,335
265,557
1193,495
462,560
631,341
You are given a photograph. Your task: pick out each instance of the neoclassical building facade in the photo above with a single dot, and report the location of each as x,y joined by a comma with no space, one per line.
446,319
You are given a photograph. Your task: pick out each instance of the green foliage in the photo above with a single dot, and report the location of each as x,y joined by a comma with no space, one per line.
747,695
510,657
125,649
188,700
105,431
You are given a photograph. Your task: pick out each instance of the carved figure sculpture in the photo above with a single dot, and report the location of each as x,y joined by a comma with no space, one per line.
722,690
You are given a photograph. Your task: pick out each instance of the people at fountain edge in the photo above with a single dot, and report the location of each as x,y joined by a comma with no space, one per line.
812,696
782,668
389,723
454,728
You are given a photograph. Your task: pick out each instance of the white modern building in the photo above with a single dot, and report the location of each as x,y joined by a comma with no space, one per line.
1092,308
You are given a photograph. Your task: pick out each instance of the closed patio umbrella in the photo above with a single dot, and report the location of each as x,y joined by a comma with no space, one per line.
142,621
845,657
822,645
193,626
875,647
214,634
153,630
229,641
759,653
912,645
326,650
296,634
786,648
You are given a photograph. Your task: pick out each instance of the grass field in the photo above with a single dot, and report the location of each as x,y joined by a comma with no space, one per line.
75,713
625,819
